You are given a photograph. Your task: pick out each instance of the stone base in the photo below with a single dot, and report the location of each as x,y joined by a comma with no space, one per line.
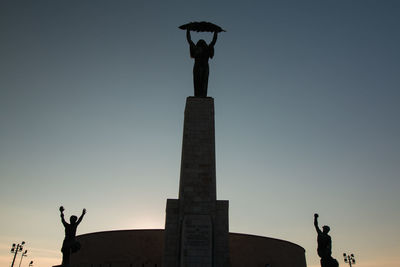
200,240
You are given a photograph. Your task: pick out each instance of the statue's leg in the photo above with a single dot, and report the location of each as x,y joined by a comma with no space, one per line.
65,260
205,81
202,81
196,81
336,263
323,262
333,262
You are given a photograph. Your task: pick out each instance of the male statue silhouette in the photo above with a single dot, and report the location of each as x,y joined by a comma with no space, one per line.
324,245
70,245
201,52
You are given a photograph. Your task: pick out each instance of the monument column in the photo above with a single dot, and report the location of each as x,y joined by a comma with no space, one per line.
196,228
197,184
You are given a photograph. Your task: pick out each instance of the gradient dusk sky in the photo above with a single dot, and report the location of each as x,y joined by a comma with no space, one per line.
307,95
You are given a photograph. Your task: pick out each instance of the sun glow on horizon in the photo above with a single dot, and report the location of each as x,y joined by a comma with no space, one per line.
143,222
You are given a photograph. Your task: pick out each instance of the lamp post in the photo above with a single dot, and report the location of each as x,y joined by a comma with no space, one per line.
15,249
23,255
350,259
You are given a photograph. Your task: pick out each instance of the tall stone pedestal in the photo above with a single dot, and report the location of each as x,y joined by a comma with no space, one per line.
196,226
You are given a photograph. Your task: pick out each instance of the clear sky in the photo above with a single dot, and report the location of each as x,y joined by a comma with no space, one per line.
92,95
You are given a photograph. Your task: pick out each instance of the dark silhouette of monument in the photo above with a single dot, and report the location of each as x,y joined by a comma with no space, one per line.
196,225
324,245
70,245
201,52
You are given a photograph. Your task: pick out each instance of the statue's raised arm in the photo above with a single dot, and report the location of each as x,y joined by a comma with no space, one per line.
62,216
214,40
316,223
189,38
81,217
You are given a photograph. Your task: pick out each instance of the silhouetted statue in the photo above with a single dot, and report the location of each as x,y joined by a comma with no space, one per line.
70,245
324,245
201,52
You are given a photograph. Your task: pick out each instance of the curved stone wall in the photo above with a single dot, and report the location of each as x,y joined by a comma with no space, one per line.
144,248
260,251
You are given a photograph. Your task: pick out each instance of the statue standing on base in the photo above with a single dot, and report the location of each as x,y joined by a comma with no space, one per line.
70,245
201,52
324,245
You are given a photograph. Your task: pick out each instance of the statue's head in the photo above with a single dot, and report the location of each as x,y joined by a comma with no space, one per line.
325,229
201,43
73,219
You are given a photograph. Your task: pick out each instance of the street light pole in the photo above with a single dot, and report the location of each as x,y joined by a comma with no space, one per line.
15,249
350,259
23,255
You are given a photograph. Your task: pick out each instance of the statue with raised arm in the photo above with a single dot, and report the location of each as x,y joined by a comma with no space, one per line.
324,245
70,245
201,52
